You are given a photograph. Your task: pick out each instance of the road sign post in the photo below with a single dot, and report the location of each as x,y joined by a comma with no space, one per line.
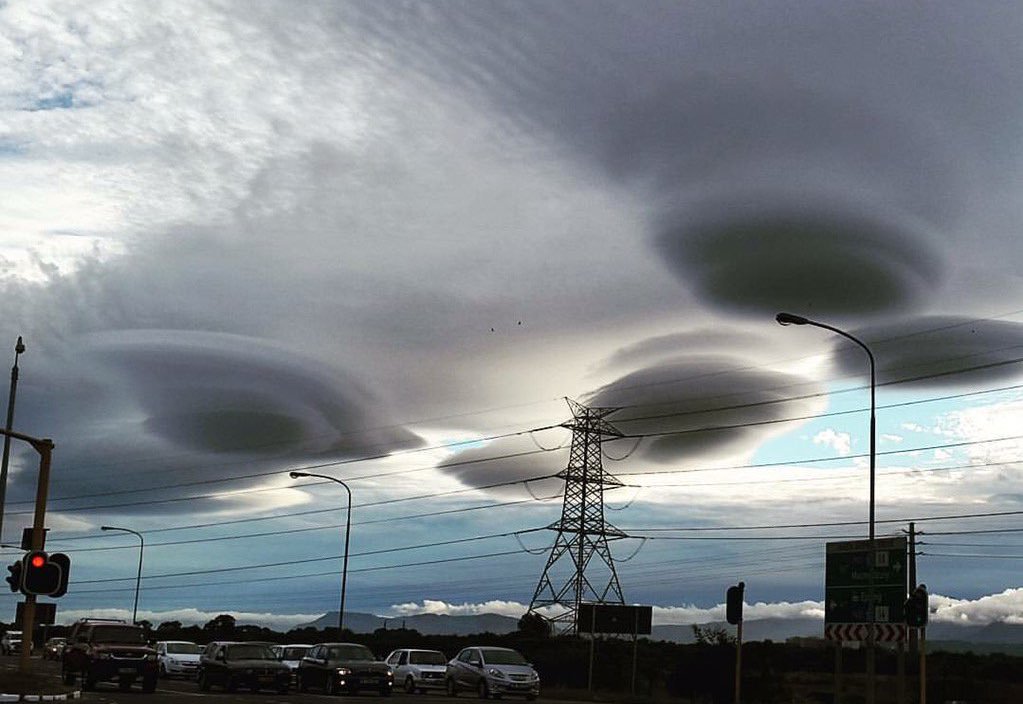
865,593
849,595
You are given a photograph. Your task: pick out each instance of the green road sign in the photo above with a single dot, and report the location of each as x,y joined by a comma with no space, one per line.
847,589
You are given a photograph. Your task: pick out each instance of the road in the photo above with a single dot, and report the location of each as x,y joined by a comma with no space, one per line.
179,691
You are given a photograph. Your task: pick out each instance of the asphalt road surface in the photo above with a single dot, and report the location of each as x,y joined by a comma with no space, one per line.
179,691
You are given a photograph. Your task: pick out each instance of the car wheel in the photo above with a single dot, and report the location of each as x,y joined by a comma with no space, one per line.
330,687
530,697
204,682
231,685
451,688
69,677
149,684
88,681
482,690
385,692
410,685
300,684
163,670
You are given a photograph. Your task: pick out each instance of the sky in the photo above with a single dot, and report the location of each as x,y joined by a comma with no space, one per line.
384,242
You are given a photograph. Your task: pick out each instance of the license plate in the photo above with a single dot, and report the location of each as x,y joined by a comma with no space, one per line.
126,671
266,678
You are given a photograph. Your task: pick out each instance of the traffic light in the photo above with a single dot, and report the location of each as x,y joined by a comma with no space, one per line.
15,576
64,563
733,603
917,609
42,577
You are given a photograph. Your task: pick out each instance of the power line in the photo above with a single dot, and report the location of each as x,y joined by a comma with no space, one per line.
531,431
812,460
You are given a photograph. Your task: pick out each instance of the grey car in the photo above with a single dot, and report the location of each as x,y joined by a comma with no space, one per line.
491,672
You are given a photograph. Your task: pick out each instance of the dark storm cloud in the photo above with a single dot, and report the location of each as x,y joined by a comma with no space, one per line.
939,351
866,135
703,405
514,460
714,404
755,255
142,409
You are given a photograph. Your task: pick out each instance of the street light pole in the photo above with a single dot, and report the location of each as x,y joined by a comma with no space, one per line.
790,319
348,531
138,577
19,347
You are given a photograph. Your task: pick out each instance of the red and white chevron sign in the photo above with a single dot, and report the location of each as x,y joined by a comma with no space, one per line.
883,632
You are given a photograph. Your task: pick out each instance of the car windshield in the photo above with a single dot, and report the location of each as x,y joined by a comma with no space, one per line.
427,657
183,648
247,651
503,657
349,652
118,634
294,653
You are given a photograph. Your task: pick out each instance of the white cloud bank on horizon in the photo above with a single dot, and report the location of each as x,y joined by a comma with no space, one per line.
1006,606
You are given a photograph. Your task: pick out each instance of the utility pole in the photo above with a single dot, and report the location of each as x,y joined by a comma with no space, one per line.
912,582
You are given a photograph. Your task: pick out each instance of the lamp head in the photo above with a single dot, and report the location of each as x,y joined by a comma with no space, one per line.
790,319
296,475
19,346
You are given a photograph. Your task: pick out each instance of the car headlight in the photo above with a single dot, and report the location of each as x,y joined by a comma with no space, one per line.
343,671
104,656
536,675
151,657
494,672
390,673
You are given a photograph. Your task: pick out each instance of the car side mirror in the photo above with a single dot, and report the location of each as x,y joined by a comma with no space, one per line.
476,663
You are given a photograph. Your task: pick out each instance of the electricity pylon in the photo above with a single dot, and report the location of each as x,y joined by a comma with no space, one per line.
582,531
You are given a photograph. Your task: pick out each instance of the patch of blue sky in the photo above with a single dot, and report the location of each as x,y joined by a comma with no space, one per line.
10,148
62,100
912,427
69,97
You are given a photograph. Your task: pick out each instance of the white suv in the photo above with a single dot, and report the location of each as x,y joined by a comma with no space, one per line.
178,657
418,670
11,643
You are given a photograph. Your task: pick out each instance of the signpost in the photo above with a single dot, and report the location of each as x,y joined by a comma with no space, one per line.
847,590
855,585
614,618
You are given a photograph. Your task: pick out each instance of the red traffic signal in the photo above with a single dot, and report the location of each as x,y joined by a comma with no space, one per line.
41,576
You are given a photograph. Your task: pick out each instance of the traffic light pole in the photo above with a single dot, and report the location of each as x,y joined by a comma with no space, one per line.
44,446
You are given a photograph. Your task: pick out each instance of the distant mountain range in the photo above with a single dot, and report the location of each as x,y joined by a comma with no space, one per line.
993,637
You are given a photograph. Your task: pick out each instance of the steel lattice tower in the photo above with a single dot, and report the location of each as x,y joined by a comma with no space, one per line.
582,531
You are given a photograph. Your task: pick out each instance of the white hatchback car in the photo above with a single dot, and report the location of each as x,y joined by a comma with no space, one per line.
418,670
178,658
